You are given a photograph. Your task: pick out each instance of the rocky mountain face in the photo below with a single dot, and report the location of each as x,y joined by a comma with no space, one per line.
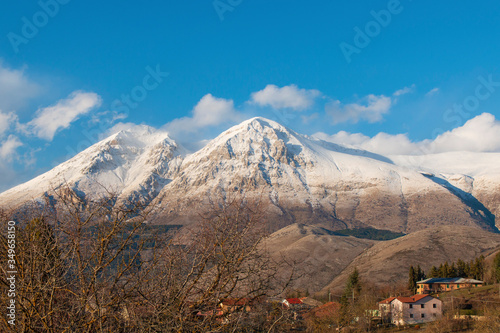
302,180
314,182
133,165
446,203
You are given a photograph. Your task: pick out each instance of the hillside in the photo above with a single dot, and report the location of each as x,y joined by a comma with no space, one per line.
388,262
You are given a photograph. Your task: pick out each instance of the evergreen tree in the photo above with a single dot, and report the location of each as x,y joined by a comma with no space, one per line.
351,290
412,279
453,270
420,274
496,268
461,268
433,272
478,268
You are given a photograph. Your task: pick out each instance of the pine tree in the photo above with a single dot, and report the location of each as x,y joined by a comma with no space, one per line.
453,270
412,279
478,268
352,288
461,268
420,274
496,268
433,272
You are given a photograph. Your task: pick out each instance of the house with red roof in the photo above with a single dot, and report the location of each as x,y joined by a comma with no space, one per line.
416,309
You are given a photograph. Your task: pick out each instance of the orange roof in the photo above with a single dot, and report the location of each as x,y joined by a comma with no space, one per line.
412,299
294,300
387,301
325,310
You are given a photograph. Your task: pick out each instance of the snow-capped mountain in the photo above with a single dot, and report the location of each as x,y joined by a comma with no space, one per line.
312,181
470,174
302,179
133,164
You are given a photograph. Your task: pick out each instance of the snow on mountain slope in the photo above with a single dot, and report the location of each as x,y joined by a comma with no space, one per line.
302,179
311,181
477,174
134,164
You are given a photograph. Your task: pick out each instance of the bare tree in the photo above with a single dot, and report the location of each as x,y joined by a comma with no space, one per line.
99,266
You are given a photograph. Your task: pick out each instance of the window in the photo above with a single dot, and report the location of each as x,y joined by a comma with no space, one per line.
422,306
422,315
411,315
434,306
411,306
447,286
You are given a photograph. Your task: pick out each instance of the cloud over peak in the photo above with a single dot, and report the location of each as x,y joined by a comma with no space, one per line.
370,108
59,116
479,134
210,111
285,97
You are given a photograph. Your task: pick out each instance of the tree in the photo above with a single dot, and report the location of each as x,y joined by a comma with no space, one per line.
477,268
462,270
40,279
347,301
94,265
496,268
412,279
433,272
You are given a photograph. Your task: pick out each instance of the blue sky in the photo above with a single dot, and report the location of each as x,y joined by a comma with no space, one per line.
419,71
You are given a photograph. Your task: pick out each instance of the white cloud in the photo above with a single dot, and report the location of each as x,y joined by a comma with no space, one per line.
433,91
405,90
15,88
9,146
370,108
59,116
118,127
480,134
382,143
286,97
210,111
6,120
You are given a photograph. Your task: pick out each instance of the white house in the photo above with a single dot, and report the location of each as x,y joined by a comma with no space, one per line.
411,310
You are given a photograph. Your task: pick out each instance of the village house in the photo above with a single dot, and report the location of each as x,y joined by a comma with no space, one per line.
416,309
435,285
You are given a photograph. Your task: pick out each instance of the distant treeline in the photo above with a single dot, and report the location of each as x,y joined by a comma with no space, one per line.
370,233
474,269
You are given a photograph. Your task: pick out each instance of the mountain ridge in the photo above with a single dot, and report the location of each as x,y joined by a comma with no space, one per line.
303,179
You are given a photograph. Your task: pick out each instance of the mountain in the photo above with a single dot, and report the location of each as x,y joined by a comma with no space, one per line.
472,176
310,181
133,164
446,204
389,261
302,180
316,253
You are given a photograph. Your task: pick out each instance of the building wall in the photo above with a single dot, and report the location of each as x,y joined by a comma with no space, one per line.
403,314
426,288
